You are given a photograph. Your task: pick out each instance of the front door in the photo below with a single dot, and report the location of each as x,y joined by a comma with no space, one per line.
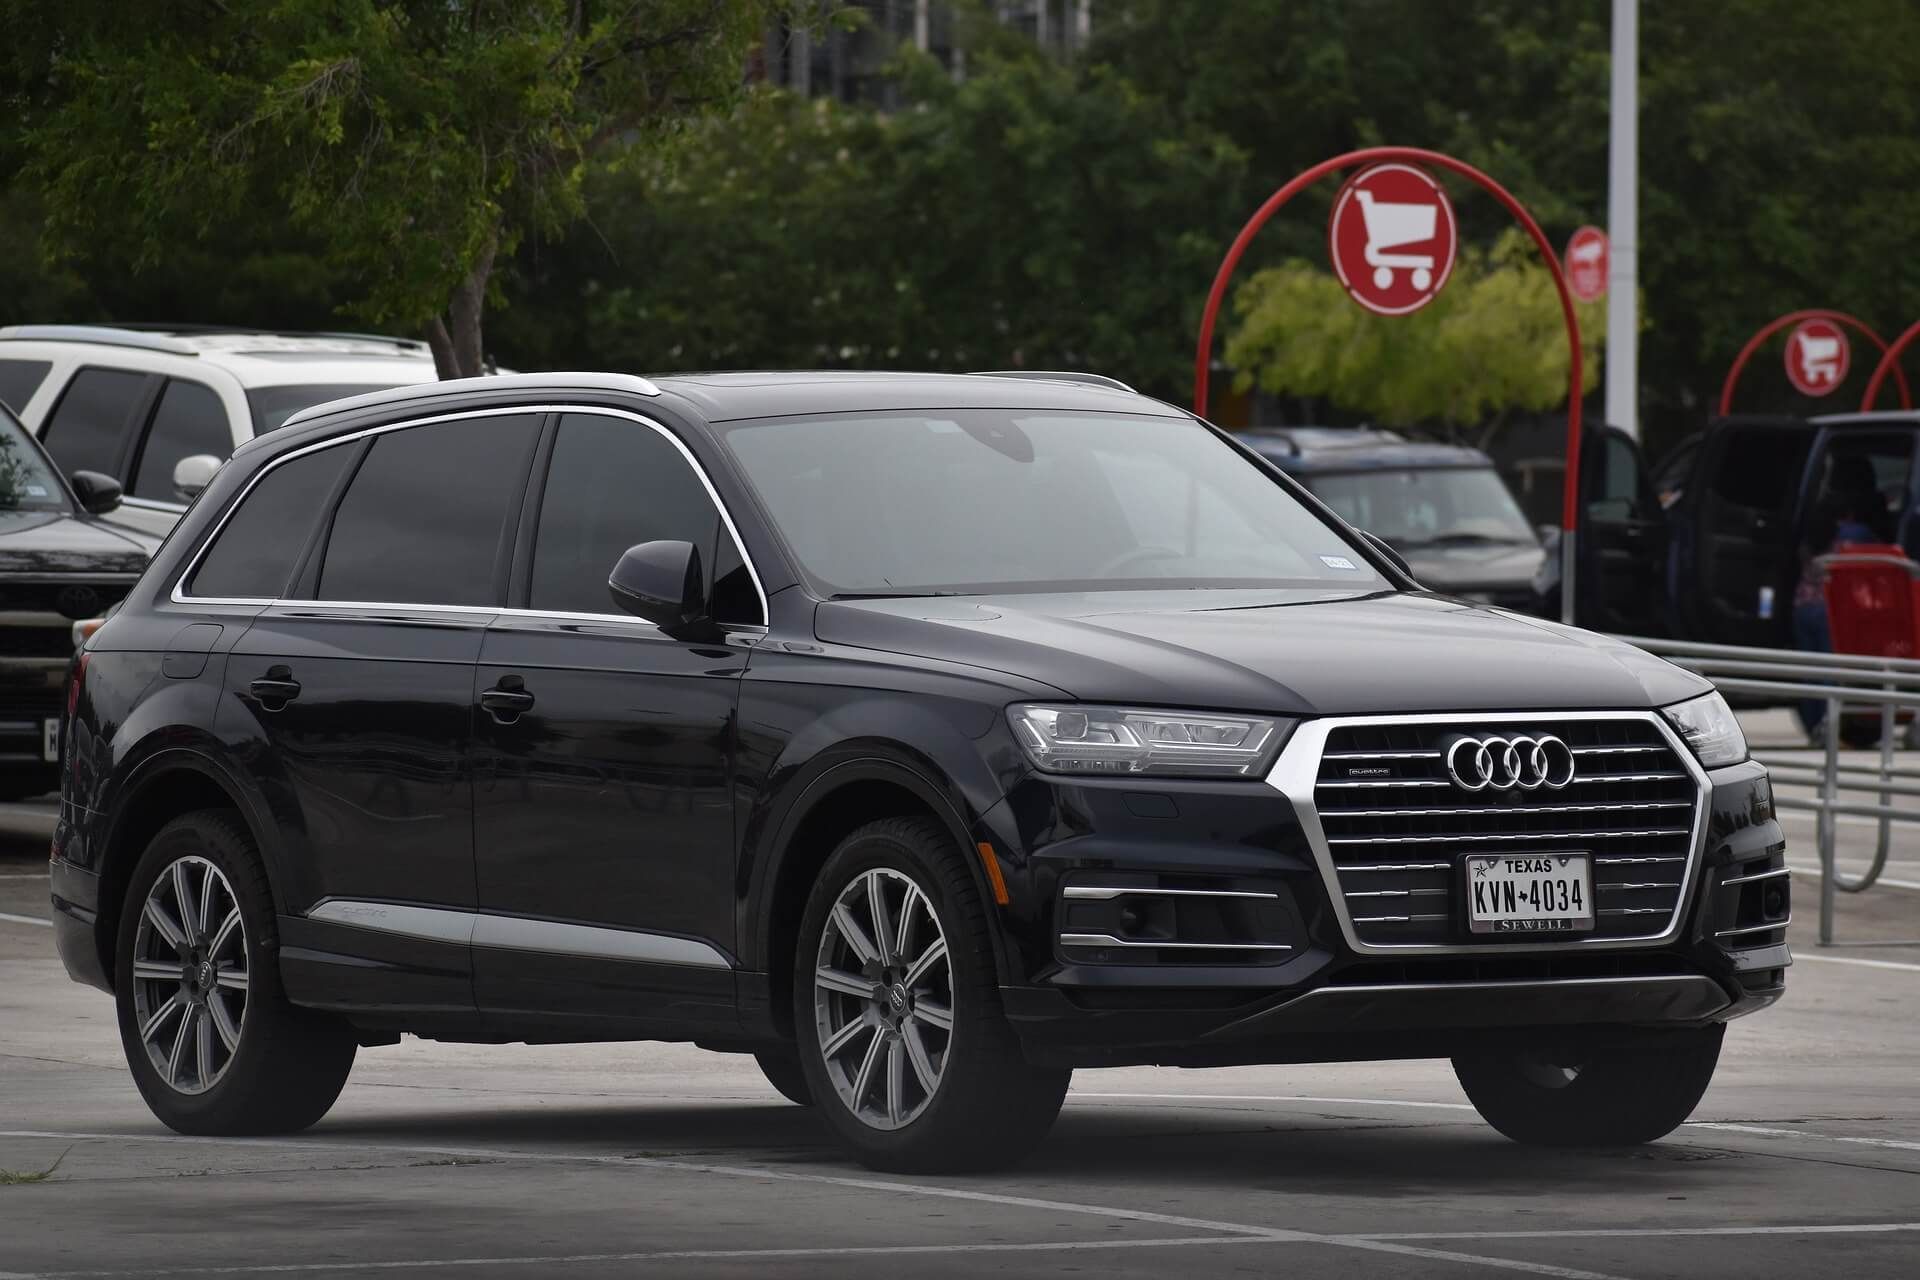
1623,540
604,748
1736,582
356,689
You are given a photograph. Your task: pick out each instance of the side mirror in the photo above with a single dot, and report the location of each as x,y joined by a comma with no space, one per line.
661,582
1394,558
193,473
98,494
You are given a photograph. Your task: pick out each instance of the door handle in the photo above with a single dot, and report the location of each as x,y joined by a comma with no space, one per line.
275,689
508,700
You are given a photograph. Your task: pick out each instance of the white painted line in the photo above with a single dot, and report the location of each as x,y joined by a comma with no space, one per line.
1634,1233
23,875
1267,1234
13,919
1861,961
1263,1097
1891,1144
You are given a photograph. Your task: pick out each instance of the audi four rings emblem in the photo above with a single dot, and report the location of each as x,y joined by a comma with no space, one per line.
1501,764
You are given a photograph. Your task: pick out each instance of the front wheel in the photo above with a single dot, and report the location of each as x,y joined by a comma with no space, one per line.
906,1049
1632,1090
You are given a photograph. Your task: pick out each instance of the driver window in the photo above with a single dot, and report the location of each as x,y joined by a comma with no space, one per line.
1617,496
189,420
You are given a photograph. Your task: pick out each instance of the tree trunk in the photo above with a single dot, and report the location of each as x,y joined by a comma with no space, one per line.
455,336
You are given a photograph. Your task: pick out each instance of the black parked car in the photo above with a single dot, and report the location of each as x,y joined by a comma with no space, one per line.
926,736
1443,507
59,564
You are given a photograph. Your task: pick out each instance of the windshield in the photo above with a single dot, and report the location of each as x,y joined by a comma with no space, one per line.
272,406
27,482
1428,507
978,500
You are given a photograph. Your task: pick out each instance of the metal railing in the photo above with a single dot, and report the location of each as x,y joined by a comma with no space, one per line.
1850,685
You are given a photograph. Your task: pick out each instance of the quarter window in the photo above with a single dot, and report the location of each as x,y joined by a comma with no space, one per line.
19,379
190,420
253,554
89,426
423,518
614,483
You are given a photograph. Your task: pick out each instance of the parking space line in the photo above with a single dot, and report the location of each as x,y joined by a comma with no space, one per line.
1634,1233
1862,961
1276,1235
23,875
13,919
1891,1144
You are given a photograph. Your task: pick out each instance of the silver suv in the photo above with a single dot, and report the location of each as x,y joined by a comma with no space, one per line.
160,408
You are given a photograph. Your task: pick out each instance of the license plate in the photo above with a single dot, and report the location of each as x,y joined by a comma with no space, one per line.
1529,893
50,740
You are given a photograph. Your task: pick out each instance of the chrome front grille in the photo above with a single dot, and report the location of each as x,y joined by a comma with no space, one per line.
1395,826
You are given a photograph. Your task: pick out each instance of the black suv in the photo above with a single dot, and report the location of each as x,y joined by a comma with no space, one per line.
925,736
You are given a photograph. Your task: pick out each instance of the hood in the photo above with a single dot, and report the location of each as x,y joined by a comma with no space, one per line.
55,542
1479,566
1287,652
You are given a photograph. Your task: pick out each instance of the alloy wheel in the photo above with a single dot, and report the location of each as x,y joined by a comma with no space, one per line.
883,999
190,975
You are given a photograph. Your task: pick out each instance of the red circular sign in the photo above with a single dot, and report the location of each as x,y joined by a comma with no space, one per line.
1392,238
1817,357
1586,264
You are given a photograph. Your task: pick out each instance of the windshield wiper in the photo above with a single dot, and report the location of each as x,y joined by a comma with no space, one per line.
1455,540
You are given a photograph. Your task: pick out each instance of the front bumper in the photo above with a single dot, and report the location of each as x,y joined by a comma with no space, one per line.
1318,998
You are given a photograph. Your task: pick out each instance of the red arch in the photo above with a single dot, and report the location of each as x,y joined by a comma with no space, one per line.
1795,317
1570,498
1890,360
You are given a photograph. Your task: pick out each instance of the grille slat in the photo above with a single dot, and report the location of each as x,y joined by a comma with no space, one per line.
1631,806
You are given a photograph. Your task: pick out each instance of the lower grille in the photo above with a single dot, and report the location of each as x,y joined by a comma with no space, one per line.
1398,827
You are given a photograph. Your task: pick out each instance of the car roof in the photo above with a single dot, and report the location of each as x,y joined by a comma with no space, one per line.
1326,449
255,357
727,397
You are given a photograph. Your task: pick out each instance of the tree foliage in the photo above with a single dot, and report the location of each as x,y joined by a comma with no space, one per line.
1493,340
416,141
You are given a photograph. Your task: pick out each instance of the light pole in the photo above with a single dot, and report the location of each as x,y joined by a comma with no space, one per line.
1623,216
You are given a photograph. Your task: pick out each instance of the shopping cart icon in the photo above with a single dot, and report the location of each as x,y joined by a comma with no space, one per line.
1390,226
1819,360
1587,253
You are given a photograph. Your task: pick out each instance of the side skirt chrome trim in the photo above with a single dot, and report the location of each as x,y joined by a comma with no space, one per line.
516,933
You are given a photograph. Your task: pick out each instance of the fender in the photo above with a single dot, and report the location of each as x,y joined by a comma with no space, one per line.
143,768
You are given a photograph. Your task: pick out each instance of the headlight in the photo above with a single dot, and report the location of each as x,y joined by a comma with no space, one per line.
1708,725
1124,740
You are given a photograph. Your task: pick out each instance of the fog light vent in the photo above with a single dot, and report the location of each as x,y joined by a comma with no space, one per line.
1136,919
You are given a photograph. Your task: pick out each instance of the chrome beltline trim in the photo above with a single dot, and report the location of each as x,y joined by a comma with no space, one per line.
516,933
179,596
1297,771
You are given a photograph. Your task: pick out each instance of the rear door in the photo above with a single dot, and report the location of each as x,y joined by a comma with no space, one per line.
1623,539
1736,584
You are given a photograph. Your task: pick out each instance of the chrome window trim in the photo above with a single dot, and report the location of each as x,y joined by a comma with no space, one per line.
1297,771
519,933
179,594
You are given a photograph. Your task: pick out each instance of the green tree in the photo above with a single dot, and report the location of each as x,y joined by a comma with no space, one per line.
1491,342
417,143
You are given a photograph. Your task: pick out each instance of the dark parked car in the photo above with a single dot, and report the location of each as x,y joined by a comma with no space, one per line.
59,564
1443,507
926,736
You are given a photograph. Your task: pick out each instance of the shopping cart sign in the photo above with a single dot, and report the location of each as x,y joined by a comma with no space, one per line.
1587,264
1817,357
1392,238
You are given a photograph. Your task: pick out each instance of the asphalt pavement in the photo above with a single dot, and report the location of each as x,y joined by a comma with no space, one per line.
581,1162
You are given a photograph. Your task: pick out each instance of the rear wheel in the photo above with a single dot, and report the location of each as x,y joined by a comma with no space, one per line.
1633,1090
214,1045
897,1008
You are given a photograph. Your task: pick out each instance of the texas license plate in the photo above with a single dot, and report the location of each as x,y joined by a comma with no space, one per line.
1529,893
50,740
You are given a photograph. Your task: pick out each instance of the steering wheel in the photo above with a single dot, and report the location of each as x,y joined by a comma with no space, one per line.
1133,555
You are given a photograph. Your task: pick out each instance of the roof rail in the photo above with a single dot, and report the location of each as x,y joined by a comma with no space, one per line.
248,331
105,335
1056,375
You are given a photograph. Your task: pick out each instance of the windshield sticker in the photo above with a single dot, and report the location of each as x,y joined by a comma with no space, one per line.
1338,562
36,491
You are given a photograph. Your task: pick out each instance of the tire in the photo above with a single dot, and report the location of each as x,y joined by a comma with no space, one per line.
1634,1090
783,1071
233,1056
987,1106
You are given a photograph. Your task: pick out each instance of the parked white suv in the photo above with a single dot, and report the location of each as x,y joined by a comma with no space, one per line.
160,408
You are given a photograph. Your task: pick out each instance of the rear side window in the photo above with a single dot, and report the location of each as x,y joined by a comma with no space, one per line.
422,519
19,379
190,420
252,556
90,424
613,483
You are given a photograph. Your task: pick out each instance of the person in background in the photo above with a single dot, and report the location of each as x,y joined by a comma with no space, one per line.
1851,510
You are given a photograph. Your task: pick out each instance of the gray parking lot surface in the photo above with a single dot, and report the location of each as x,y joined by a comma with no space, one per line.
623,1160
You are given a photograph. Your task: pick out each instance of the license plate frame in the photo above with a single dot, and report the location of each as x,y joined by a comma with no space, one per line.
1528,894
50,740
